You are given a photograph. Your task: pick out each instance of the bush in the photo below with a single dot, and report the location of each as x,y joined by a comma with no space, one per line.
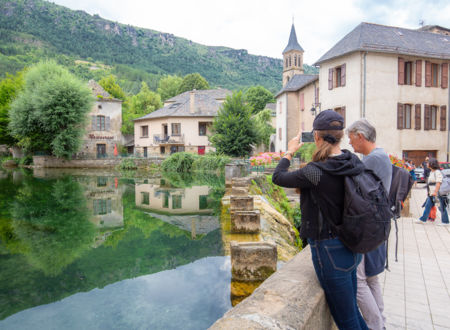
26,160
306,152
210,163
179,162
127,164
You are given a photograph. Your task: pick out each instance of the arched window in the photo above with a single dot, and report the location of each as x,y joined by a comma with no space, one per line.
290,63
295,60
286,64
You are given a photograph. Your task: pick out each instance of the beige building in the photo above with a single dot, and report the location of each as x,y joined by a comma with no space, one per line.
396,78
103,130
299,95
183,124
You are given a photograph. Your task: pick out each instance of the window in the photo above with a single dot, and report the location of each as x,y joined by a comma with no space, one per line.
279,133
145,197
408,73
433,116
144,131
176,202
166,200
102,181
100,123
407,116
434,74
202,128
336,76
203,202
176,129
341,111
102,206
295,60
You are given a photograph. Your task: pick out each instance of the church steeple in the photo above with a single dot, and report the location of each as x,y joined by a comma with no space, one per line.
292,57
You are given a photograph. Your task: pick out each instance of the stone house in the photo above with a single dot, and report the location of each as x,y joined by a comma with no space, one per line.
396,78
299,95
182,124
103,130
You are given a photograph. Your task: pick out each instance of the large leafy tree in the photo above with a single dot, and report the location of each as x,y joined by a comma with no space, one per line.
233,132
49,114
168,86
139,105
9,88
257,97
263,126
193,81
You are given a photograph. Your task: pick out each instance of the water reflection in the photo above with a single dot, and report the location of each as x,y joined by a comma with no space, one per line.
64,235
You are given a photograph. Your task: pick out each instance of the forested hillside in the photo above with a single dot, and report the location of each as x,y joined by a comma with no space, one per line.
92,46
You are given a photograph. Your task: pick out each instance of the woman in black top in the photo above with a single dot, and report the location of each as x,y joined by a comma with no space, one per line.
321,184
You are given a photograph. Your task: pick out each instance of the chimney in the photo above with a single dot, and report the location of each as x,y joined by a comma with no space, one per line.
192,101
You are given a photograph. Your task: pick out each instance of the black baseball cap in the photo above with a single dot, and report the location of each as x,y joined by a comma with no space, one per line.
324,119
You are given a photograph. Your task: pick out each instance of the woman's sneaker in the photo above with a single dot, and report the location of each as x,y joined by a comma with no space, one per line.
443,224
419,221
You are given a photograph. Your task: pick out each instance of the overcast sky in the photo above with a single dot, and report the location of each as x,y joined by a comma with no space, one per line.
262,26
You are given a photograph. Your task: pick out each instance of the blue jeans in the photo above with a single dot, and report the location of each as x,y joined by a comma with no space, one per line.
335,267
429,204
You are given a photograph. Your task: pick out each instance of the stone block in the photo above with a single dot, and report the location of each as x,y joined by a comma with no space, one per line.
239,191
241,203
253,261
234,171
240,182
245,222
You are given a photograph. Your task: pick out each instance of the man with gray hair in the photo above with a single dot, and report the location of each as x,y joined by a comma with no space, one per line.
362,136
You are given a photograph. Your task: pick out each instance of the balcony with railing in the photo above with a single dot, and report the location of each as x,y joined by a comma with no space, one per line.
162,139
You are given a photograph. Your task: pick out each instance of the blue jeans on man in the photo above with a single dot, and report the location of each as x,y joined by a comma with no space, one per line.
442,207
335,267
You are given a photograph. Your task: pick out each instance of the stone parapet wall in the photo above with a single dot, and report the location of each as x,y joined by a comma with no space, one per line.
289,299
53,162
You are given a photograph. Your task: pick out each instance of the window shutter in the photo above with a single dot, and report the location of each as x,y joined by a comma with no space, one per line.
419,73
427,74
401,71
343,75
427,121
317,95
443,117
302,101
330,78
418,117
343,114
399,116
107,123
94,123
444,76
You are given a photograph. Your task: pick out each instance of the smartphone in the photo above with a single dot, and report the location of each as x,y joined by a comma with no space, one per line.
307,137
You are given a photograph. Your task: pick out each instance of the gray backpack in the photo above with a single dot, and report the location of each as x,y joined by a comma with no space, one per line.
445,186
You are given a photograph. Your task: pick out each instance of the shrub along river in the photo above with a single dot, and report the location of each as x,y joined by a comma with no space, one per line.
83,250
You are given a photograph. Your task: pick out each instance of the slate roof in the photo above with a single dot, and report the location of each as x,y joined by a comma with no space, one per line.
298,81
293,43
390,39
206,105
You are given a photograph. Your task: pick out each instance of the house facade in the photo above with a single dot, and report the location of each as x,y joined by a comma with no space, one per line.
300,94
103,133
183,124
396,78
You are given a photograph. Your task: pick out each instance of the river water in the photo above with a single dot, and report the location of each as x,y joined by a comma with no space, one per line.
82,250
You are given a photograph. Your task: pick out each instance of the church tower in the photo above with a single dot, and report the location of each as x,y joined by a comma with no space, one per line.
292,58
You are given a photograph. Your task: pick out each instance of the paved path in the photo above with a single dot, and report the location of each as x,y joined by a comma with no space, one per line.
416,290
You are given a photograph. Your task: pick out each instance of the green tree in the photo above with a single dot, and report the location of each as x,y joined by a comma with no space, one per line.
168,86
50,113
110,85
9,88
193,81
233,131
263,126
257,97
139,105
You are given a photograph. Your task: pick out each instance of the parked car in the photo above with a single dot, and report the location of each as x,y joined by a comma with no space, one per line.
420,174
445,168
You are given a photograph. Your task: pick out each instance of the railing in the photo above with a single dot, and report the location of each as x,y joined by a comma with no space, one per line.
168,139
